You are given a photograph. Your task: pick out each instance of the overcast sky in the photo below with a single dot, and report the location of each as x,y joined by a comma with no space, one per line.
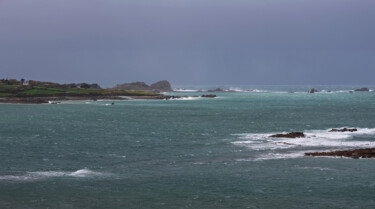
189,41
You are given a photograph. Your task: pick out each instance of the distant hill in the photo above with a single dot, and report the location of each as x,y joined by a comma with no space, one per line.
160,86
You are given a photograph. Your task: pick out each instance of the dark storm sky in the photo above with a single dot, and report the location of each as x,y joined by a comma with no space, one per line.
189,41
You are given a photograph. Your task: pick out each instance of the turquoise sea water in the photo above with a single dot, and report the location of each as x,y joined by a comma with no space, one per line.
189,153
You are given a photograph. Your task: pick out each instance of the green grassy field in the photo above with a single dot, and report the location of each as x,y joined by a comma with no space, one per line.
19,90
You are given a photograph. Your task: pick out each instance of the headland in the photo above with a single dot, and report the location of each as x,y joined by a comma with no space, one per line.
39,92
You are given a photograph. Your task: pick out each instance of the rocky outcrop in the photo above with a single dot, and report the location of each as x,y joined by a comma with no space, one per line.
289,135
357,153
343,130
362,89
161,86
209,95
313,91
132,86
215,90
141,86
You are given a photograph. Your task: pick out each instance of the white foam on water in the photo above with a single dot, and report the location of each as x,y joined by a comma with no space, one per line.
315,168
314,139
16,178
185,98
39,175
332,91
258,91
185,90
47,173
233,89
85,173
273,156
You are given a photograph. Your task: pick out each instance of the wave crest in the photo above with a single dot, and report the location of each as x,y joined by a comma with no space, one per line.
39,175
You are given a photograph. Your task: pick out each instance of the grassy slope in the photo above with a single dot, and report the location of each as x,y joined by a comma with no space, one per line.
19,90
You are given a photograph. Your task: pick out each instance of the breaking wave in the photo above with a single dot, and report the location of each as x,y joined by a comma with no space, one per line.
314,140
185,98
39,175
185,90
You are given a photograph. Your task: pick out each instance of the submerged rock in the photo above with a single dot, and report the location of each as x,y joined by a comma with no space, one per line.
343,130
362,89
289,135
357,153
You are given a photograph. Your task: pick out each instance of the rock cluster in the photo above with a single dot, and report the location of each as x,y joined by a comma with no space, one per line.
358,153
160,86
289,135
215,90
362,89
343,130
313,91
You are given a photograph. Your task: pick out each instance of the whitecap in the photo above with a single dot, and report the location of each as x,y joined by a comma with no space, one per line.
315,168
273,156
85,173
247,90
185,90
185,98
47,173
39,175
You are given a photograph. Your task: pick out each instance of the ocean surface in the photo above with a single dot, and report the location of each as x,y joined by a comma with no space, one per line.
191,152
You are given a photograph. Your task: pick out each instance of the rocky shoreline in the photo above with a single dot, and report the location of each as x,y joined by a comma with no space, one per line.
54,99
357,153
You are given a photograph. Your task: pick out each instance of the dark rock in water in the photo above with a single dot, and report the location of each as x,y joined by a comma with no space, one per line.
350,91
161,86
343,130
289,135
358,153
172,97
313,91
362,89
209,95
216,90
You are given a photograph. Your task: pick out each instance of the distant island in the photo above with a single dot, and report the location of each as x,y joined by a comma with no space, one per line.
161,86
38,92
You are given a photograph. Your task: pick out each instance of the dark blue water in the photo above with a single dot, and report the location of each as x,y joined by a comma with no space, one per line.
192,153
